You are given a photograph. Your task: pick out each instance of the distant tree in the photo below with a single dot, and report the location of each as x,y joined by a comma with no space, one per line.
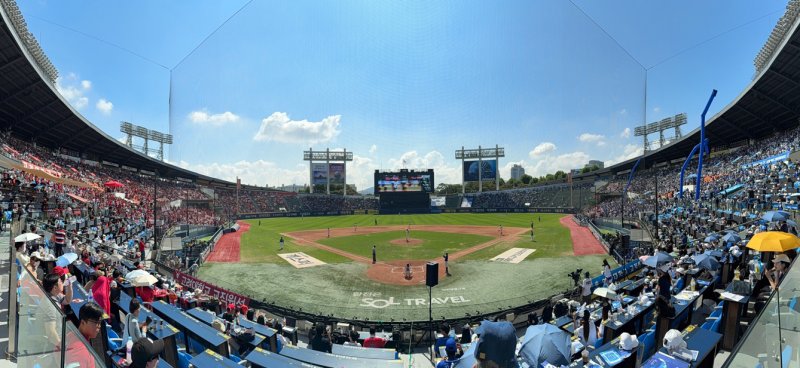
526,179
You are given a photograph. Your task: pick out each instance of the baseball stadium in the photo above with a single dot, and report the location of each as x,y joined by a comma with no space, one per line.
260,183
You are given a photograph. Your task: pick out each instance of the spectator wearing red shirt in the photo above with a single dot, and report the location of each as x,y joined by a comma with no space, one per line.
146,293
372,341
141,249
91,316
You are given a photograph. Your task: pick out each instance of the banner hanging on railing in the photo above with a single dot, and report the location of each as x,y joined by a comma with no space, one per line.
211,290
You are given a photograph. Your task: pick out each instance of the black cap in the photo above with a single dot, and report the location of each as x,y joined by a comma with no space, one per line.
145,350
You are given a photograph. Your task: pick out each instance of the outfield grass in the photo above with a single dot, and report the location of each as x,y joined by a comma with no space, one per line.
433,245
338,288
260,244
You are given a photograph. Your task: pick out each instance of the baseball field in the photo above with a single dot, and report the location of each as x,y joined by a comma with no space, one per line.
326,265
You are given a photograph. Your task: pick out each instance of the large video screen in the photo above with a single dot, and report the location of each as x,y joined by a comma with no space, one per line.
488,170
404,181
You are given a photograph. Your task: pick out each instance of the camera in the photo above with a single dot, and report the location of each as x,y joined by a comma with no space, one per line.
576,276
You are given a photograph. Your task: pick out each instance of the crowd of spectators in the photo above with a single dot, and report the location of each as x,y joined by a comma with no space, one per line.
546,196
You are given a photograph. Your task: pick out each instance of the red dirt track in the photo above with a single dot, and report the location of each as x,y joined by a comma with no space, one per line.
583,241
227,248
391,272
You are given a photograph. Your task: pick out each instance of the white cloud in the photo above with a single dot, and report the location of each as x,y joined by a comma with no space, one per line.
589,137
278,127
542,148
204,117
73,91
372,149
258,172
630,151
623,112
104,106
593,138
656,109
549,164
431,160
626,133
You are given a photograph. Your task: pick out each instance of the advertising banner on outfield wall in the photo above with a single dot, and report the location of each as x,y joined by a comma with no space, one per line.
319,172
488,170
211,290
510,210
336,173
248,216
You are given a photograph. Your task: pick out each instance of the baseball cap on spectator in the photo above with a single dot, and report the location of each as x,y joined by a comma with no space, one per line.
145,350
497,342
243,308
60,271
231,307
450,346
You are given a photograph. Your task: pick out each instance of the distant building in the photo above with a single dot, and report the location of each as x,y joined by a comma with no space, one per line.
517,172
289,188
597,163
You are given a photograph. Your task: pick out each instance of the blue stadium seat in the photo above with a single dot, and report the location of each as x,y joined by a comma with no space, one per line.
235,358
715,325
114,341
183,359
648,341
678,286
195,346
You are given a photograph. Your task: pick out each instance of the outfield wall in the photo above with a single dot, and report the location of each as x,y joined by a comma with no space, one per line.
248,216
511,210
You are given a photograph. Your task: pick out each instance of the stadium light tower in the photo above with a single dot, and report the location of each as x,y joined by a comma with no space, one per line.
660,127
132,130
326,170
481,153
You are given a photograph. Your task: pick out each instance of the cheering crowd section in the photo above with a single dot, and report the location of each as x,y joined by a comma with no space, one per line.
546,196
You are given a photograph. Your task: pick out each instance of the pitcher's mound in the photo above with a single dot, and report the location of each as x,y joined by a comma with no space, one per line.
411,241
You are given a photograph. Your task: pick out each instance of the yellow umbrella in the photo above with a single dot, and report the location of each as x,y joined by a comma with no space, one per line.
773,241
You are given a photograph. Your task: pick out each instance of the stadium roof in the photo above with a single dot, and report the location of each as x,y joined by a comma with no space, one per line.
32,108
769,104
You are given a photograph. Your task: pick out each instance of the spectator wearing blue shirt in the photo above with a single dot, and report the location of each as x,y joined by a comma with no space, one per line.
453,354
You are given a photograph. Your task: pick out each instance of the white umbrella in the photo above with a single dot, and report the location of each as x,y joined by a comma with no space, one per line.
27,237
135,273
605,293
143,280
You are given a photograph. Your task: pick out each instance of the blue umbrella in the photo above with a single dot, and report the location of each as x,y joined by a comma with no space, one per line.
545,343
791,223
714,253
657,260
711,238
773,216
66,259
731,237
706,261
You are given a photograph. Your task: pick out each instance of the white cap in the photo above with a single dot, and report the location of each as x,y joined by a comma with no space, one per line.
628,341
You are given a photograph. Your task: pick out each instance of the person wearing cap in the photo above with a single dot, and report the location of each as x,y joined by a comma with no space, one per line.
145,353
77,354
33,266
775,275
451,354
495,345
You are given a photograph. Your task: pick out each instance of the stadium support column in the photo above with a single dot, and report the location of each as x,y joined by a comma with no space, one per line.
155,210
480,169
497,167
344,175
311,170
463,183
328,173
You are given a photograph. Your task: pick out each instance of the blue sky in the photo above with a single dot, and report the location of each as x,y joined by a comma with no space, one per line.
245,87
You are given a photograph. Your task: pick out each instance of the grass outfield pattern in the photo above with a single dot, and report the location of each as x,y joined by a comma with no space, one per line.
339,287
434,244
260,244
